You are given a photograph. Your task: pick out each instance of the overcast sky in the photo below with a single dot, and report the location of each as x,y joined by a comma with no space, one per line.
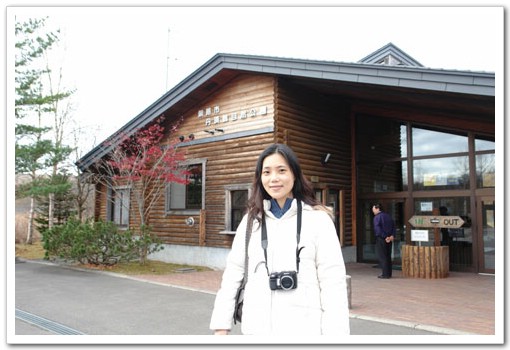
122,59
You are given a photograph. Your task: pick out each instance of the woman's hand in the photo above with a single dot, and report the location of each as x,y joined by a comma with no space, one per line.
221,332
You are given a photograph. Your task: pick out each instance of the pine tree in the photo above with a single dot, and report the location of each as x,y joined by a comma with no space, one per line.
63,202
36,99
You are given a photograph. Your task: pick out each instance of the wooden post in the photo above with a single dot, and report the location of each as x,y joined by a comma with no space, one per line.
416,262
437,238
201,234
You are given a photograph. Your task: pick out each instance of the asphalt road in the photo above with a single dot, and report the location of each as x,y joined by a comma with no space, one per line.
52,299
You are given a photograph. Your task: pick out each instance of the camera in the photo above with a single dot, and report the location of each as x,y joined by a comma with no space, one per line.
283,280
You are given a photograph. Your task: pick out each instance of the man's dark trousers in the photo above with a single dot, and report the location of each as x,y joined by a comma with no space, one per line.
383,250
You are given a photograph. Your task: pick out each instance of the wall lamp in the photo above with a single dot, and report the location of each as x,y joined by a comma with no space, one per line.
209,131
190,221
219,130
325,158
190,136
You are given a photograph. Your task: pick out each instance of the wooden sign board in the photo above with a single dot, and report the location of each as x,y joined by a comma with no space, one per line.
436,221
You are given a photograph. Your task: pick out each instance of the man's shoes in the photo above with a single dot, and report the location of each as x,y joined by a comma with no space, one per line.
384,277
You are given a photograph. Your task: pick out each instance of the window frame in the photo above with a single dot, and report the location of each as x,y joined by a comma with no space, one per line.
168,190
112,205
228,205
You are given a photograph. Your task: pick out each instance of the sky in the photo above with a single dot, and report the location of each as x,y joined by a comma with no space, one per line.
122,59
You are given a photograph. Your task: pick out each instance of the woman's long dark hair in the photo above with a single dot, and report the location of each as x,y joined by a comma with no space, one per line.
302,189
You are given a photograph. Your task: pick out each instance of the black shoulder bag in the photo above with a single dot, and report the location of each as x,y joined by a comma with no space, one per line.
238,308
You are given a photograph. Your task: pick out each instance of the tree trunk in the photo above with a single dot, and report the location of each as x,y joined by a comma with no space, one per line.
51,203
31,221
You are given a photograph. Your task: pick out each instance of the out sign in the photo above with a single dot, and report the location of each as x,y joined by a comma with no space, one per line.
436,221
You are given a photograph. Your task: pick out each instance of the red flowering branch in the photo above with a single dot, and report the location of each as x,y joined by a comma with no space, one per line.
145,161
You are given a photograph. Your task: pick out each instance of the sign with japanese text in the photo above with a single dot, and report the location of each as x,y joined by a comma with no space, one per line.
420,235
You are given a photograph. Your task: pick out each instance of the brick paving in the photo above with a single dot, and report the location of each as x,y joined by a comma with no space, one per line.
463,302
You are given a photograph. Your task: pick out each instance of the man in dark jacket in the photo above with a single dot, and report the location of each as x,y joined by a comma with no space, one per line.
384,229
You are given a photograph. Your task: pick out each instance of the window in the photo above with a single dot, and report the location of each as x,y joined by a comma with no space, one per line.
238,201
485,170
485,163
441,173
437,168
484,145
429,142
118,208
236,197
188,196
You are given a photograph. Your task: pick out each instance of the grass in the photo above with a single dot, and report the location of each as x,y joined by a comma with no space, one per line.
33,251
36,251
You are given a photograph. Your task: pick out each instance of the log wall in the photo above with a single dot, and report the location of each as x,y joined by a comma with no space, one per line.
243,95
228,162
312,125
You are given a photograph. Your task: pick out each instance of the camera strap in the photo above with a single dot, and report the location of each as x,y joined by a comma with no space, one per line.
298,236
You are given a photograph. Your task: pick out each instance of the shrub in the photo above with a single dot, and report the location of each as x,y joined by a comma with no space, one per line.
147,243
98,243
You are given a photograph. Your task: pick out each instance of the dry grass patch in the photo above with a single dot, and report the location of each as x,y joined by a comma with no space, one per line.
151,267
33,251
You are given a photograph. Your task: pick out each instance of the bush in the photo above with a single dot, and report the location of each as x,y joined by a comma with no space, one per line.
147,243
97,243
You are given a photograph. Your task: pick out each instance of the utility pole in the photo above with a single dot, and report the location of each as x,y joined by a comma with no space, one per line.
167,58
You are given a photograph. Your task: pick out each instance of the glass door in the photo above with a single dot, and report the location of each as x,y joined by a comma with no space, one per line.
394,207
486,225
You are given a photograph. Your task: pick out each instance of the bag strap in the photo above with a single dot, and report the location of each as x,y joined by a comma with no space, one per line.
249,225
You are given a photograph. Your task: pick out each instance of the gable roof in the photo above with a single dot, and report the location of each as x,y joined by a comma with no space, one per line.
347,79
391,55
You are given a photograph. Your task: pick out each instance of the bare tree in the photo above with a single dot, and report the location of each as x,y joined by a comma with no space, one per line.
84,187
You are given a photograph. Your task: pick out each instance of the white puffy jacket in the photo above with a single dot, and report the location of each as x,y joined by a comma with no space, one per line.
319,303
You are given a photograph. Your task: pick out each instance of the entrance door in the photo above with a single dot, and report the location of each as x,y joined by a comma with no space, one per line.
486,225
394,207
335,201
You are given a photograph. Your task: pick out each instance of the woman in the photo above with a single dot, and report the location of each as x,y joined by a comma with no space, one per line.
310,297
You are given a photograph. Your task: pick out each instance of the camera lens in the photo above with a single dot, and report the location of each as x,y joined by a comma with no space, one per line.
287,282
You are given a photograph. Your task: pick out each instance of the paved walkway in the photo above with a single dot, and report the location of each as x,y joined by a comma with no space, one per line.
462,303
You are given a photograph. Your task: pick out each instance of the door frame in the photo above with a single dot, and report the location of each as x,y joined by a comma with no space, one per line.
386,202
479,228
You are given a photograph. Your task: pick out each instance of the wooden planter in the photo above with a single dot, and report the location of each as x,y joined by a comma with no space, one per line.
425,262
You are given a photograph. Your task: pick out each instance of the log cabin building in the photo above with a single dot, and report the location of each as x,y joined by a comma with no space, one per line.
384,129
